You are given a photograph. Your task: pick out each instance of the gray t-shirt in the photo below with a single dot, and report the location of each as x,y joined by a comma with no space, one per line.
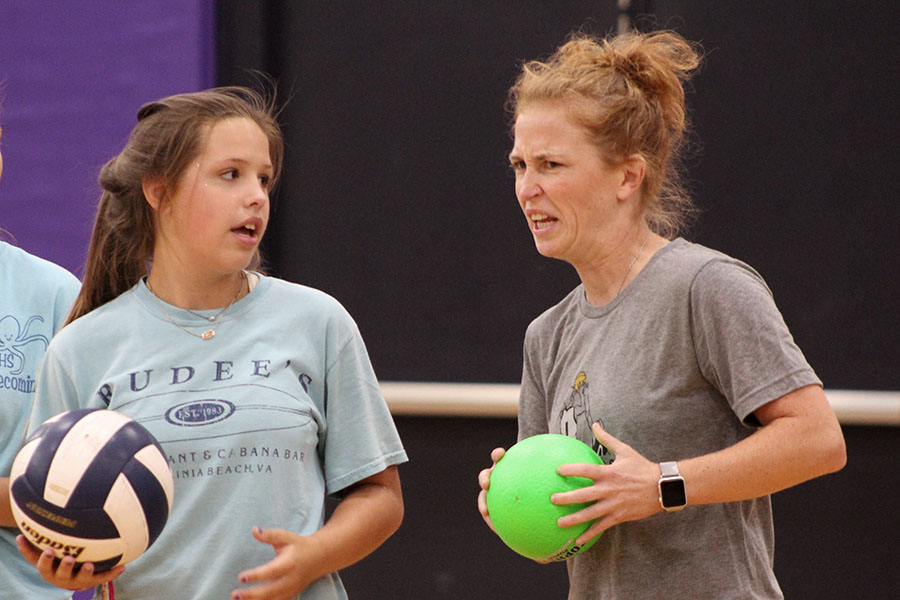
674,366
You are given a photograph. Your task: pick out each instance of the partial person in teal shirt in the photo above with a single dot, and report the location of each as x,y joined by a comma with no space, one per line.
35,297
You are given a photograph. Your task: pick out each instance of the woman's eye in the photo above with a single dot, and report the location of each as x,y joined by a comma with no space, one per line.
265,180
230,174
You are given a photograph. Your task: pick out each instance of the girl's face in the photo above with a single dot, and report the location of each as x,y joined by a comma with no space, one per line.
219,210
567,191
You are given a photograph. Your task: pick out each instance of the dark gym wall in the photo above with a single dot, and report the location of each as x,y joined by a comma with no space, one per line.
795,113
396,195
397,198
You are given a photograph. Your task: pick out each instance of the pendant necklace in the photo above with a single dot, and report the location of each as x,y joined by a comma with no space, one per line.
209,333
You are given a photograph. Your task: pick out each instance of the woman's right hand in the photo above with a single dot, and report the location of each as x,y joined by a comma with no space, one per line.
64,575
484,480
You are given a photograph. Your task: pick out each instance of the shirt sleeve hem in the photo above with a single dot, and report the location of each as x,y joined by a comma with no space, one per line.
773,391
337,484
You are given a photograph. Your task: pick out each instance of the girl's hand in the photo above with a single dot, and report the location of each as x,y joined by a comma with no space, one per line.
626,490
484,480
287,574
62,573
369,513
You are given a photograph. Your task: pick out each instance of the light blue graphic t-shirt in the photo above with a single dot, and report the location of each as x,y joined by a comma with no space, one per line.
35,298
259,423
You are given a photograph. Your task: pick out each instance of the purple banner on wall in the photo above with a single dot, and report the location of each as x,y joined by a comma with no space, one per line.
72,76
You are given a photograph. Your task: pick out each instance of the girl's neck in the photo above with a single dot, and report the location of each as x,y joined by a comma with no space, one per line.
206,293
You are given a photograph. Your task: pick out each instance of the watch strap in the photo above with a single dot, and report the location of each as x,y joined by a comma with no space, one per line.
669,469
672,496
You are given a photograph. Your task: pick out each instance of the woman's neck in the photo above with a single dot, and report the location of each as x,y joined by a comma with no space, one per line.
605,277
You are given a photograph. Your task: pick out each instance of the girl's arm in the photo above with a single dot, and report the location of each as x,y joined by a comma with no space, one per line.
6,516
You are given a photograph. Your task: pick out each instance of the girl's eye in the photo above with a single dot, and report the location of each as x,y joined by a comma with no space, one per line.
265,180
230,174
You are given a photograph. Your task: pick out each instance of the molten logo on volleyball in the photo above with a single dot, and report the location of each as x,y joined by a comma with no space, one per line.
92,484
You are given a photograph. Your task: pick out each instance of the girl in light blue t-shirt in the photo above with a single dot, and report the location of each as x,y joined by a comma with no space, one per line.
260,391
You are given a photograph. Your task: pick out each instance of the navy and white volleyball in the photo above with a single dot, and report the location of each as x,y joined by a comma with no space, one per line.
93,484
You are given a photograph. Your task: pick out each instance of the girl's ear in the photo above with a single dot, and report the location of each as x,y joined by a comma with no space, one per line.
154,190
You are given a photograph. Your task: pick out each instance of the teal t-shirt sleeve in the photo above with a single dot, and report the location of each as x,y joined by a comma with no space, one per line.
66,293
54,392
360,436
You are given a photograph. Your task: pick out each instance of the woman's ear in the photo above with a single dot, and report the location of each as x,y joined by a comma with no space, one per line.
632,170
154,191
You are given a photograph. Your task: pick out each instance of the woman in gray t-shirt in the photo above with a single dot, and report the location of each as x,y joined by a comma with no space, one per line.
670,357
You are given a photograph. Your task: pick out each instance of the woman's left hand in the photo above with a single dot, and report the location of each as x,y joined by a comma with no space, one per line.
626,490
284,576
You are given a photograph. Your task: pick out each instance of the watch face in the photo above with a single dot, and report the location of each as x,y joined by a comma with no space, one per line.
672,492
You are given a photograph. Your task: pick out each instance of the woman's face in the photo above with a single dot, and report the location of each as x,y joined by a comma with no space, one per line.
218,213
567,191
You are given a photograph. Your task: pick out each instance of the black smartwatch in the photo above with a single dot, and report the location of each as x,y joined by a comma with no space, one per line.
671,487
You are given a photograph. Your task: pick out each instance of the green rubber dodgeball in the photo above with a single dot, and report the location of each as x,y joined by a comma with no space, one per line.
518,498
